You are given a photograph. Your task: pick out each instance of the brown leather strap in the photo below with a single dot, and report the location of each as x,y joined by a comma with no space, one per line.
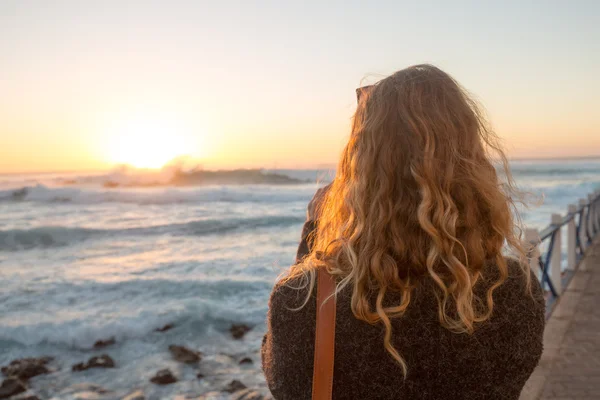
324,337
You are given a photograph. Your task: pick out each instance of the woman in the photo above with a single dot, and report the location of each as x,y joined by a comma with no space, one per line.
414,229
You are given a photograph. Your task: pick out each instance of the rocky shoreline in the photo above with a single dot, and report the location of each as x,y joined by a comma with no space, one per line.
18,374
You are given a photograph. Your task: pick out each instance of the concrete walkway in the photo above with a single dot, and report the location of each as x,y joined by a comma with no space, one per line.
570,365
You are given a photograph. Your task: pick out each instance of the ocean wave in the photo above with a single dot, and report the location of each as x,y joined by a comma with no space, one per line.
201,307
225,194
50,236
45,236
173,175
83,333
553,170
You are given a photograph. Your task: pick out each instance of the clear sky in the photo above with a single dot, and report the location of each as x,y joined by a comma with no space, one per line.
86,84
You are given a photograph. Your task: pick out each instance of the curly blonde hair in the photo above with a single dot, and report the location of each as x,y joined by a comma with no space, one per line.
423,190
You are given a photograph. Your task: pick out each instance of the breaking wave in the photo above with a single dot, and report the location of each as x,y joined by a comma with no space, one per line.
50,236
226,194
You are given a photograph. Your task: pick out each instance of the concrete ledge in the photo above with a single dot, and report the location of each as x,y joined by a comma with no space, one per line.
558,325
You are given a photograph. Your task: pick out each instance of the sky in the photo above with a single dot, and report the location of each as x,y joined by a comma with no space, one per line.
85,85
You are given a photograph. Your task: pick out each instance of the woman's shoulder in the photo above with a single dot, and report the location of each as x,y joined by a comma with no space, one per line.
288,347
521,277
291,292
520,292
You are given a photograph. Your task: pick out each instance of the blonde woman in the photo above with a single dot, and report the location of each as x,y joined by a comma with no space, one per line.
414,229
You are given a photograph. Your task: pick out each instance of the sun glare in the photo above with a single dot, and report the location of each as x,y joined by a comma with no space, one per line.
148,143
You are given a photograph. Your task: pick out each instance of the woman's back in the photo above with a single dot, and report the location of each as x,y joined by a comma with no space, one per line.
414,229
492,363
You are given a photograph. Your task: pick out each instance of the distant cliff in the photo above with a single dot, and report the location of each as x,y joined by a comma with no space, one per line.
232,177
177,177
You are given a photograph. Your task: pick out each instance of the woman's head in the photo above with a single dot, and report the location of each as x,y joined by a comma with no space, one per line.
417,195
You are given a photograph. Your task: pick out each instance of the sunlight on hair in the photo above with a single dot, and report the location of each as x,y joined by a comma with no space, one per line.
417,198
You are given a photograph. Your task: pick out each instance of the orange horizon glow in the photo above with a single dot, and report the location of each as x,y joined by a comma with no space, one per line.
102,167
152,137
85,86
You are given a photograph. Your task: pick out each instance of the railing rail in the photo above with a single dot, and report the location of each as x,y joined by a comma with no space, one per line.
583,224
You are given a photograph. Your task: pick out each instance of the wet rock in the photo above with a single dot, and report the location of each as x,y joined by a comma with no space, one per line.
165,328
10,387
185,355
163,377
83,391
110,184
207,396
200,375
20,194
239,330
234,386
246,360
86,391
103,343
247,394
103,361
27,368
137,395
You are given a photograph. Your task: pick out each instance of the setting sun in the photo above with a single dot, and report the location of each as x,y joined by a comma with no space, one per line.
148,143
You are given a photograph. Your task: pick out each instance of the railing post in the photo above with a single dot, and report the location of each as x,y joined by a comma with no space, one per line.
532,241
592,216
571,240
597,210
596,201
556,257
583,225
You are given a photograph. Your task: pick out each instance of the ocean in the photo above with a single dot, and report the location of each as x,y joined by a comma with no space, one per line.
88,257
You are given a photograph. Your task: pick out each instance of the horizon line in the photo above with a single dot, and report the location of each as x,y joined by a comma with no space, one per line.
320,166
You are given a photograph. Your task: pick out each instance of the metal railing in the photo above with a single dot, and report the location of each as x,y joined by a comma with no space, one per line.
583,224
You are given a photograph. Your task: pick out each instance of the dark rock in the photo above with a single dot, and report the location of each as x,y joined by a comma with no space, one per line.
165,328
103,343
20,194
239,330
247,394
137,395
200,375
28,371
246,360
185,355
10,387
79,367
26,368
103,361
234,386
110,184
163,377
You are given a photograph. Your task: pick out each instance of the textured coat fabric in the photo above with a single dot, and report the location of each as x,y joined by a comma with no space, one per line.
493,363
306,242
